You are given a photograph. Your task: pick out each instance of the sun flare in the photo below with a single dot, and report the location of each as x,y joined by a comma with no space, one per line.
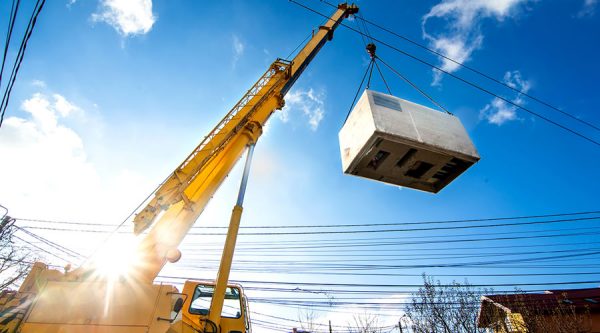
117,258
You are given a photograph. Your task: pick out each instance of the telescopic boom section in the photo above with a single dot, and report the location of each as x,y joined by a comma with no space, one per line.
181,198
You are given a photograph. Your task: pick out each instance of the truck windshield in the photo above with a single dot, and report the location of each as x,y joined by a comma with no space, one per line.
203,296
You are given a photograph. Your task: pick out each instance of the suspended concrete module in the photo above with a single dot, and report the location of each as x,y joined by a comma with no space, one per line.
395,141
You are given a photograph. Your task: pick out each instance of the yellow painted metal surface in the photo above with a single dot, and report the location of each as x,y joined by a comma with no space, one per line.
44,328
74,302
195,320
216,305
14,308
185,193
100,307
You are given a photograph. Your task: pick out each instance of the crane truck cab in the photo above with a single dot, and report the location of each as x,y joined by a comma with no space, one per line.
51,302
197,297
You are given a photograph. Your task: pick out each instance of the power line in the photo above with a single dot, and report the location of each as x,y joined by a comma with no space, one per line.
11,24
443,263
417,242
379,285
472,69
412,257
51,244
312,226
371,231
474,85
347,251
42,249
19,59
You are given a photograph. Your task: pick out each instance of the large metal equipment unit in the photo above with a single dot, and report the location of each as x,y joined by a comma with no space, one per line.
395,141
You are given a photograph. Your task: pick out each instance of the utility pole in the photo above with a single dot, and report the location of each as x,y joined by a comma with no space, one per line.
330,330
5,223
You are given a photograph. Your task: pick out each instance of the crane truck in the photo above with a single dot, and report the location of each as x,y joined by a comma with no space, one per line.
82,300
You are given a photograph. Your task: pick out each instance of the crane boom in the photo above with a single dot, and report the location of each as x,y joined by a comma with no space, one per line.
183,196
91,302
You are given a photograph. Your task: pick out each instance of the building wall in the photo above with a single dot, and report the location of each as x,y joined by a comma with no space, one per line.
591,325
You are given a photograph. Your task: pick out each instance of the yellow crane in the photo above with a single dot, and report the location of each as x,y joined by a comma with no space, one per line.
81,300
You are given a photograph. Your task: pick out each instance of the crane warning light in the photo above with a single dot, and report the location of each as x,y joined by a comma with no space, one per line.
395,141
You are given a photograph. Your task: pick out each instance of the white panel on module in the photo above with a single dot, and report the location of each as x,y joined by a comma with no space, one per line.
395,141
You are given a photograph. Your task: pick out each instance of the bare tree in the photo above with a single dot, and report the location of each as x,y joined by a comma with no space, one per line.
437,308
307,319
454,308
13,263
365,323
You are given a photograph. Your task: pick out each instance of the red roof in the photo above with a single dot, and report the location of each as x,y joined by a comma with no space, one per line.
581,299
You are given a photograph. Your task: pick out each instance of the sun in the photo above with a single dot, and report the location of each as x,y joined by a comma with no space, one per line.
117,258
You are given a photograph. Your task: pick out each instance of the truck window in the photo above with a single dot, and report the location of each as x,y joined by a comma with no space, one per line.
203,295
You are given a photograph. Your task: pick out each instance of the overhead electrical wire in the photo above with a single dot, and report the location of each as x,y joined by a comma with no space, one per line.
390,260
531,284
460,78
395,285
265,270
41,249
412,249
472,69
56,246
360,225
417,242
19,59
370,231
116,229
14,10
311,226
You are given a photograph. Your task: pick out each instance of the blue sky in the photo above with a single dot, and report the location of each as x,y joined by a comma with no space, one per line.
112,95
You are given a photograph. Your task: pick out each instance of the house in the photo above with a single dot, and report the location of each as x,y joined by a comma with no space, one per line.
575,310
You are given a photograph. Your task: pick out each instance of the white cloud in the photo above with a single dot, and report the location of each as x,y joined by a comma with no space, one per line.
498,111
462,34
128,17
64,107
38,84
46,158
588,9
47,172
381,316
238,49
311,104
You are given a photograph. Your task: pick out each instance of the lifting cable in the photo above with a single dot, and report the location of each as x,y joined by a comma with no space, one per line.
359,88
303,42
383,78
371,49
461,79
289,57
370,73
414,86
362,36
472,69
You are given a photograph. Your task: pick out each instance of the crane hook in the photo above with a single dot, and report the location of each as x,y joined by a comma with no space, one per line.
371,50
